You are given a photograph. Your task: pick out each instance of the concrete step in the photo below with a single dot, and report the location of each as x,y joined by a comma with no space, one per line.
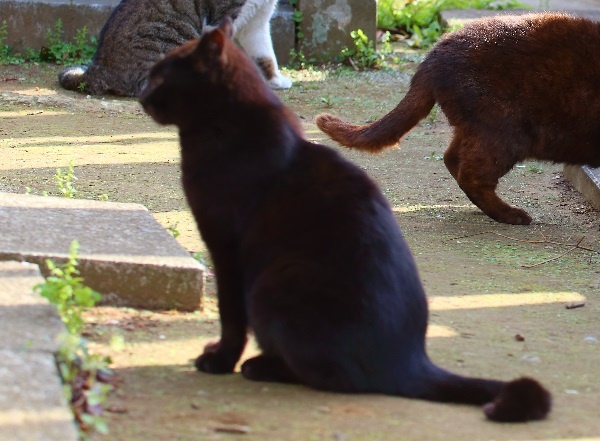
124,253
32,404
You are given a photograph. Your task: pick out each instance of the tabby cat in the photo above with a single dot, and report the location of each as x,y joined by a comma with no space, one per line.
140,32
514,88
306,250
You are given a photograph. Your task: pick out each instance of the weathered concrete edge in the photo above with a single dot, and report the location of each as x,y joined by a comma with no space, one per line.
159,287
33,414
586,181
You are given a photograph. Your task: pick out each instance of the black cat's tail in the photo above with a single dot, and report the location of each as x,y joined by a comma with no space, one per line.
388,130
73,78
519,400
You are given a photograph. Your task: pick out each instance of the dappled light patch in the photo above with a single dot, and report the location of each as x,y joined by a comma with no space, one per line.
499,300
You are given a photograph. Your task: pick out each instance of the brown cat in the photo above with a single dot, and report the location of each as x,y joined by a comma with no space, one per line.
514,88
307,252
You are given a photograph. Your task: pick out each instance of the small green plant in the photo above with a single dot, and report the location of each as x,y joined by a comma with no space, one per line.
6,53
364,55
65,288
432,118
199,257
330,102
420,18
173,230
4,49
82,373
536,169
85,376
81,86
59,51
297,59
435,156
298,18
64,181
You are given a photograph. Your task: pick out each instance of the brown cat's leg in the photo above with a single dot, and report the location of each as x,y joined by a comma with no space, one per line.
266,368
477,171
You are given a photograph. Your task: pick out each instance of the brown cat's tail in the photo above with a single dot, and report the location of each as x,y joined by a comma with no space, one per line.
388,130
73,78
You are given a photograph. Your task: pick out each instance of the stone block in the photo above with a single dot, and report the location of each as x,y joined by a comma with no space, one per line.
327,25
586,180
283,32
124,253
32,404
27,320
29,21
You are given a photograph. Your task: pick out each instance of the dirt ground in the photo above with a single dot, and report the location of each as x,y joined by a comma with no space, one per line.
498,300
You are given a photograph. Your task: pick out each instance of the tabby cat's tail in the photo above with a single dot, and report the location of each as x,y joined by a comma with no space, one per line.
519,400
73,78
388,130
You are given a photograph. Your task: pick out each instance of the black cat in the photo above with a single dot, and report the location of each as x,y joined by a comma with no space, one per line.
307,252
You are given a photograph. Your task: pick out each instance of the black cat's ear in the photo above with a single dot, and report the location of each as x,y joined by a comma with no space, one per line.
212,44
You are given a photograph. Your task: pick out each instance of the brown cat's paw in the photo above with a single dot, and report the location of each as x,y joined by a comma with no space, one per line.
515,216
521,400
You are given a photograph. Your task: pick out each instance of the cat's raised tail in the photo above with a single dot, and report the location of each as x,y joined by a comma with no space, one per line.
388,130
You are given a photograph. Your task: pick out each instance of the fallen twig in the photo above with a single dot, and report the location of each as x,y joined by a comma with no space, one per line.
573,246
574,305
556,257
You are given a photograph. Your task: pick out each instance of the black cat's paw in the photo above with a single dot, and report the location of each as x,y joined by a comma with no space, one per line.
215,360
521,400
264,368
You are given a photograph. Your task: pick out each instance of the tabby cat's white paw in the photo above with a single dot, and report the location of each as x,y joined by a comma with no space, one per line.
280,82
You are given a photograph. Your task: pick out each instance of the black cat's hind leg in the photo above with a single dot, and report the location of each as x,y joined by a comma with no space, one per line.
267,368
477,169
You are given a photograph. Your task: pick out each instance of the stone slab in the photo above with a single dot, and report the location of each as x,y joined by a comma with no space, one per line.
27,320
327,25
586,180
123,252
29,20
32,403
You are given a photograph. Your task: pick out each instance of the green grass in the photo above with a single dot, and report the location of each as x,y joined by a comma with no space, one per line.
420,18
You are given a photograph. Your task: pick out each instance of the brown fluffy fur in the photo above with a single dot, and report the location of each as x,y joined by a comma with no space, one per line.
513,88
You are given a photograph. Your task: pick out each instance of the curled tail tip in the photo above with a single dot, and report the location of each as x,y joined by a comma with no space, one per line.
520,400
328,123
72,77
343,133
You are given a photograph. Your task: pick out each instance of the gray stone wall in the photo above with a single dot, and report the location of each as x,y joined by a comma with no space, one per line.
327,25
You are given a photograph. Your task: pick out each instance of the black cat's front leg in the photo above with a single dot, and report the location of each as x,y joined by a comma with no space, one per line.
221,357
